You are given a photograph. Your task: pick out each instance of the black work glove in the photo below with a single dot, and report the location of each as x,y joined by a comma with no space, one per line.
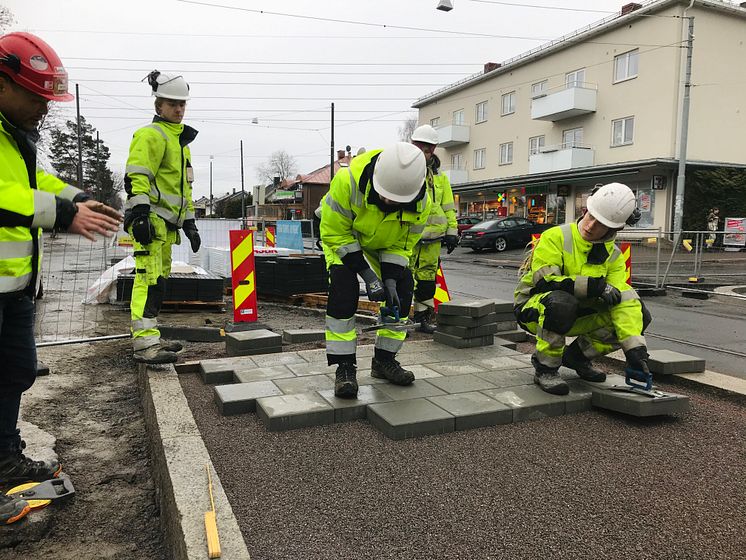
611,296
451,242
373,285
392,297
142,229
190,230
637,359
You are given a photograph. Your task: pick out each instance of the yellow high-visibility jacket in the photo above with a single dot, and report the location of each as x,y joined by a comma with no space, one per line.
442,218
159,171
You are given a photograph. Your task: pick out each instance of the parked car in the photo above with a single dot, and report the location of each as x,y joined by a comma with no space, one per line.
501,233
466,222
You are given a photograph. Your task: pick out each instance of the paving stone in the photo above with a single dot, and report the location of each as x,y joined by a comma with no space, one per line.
505,317
468,332
639,405
216,372
474,410
312,356
240,398
455,368
420,388
243,343
42,369
503,326
314,368
498,362
354,409
507,377
461,383
504,306
192,334
470,322
286,412
261,374
423,372
419,346
363,378
281,358
412,418
580,398
478,308
529,402
667,362
486,352
293,336
525,358
305,384
505,343
516,335
458,342
415,358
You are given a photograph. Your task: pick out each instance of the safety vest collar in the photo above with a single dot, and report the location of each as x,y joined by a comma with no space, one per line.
185,133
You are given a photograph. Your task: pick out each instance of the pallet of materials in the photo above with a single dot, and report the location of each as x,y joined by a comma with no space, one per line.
180,287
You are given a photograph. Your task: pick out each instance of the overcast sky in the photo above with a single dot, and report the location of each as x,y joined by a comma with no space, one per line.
283,68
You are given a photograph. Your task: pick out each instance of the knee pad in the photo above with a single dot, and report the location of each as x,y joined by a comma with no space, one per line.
425,290
560,311
647,318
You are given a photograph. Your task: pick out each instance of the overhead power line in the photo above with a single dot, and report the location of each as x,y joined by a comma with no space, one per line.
270,63
304,84
299,73
539,6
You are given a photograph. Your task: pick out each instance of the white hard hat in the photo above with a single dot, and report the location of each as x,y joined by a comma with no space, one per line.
426,134
399,172
168,86
612,205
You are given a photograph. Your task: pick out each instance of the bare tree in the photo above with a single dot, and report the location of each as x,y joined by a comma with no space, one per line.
280,164
407,128
6,19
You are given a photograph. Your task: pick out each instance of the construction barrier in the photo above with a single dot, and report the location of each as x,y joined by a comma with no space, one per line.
269,236
442,295
243,278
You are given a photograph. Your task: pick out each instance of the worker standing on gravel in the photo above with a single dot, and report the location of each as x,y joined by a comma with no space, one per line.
158,182
441,229
371,219
31,75
574,284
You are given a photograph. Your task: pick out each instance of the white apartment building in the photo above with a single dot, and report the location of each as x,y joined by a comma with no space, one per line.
532,136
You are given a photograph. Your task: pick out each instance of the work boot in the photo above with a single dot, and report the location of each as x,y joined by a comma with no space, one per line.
12,509
575,359
345,385
392,371
549,378
171,345
155,355
17,468
423,318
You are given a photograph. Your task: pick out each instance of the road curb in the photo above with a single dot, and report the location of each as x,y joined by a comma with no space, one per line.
179,458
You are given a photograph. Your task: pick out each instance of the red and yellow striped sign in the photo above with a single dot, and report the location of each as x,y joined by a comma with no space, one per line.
626,249
242,276
269,236
441,290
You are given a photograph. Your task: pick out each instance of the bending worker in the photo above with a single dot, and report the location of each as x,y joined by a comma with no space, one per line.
441,228
158,182
575,285
371,219
31,75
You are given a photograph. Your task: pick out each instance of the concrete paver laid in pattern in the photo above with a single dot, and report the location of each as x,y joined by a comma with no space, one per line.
453,390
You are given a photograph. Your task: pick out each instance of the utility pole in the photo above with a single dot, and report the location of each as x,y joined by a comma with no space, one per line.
98,170
211,158
331,154
678,213
80,142
243,194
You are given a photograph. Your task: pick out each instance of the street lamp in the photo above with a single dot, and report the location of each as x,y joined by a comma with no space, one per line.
445,5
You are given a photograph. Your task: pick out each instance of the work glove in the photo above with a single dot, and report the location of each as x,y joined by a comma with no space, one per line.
190,230
451,242
637,359
373,285
392,297
142,229
598,288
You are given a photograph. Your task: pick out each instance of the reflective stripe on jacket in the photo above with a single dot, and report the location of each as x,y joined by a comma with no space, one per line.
349,222
562,255
442,218
159,170
27,205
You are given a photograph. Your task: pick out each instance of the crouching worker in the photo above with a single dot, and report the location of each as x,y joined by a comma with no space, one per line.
371,219
574,284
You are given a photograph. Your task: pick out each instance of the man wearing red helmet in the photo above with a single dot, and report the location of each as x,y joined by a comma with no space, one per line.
31,75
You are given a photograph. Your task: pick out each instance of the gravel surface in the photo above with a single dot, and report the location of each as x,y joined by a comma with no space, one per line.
591,485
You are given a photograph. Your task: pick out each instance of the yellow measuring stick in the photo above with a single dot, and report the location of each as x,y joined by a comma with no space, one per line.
211,523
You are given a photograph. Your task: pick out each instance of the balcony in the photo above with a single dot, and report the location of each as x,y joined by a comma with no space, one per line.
453,135
564,103
560,158
457,176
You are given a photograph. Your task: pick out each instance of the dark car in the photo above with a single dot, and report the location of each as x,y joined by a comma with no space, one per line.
466,222
501,233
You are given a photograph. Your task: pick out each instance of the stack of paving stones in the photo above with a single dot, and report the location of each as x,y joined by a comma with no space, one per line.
248,343
466,324
507,327
180,287
296,336
286,276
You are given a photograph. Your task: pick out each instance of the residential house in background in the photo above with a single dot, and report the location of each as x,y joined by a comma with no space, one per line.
532,135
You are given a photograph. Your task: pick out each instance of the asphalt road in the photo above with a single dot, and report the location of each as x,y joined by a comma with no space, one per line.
709,329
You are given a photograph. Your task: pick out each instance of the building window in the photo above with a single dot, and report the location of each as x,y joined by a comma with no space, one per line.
576,78
508,103
481,112
435,122
458,117
480,158
457,161
572,138
506,153
622,131
539,88
535,144
625,66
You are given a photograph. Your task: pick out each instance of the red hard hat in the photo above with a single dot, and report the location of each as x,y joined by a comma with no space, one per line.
33,65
